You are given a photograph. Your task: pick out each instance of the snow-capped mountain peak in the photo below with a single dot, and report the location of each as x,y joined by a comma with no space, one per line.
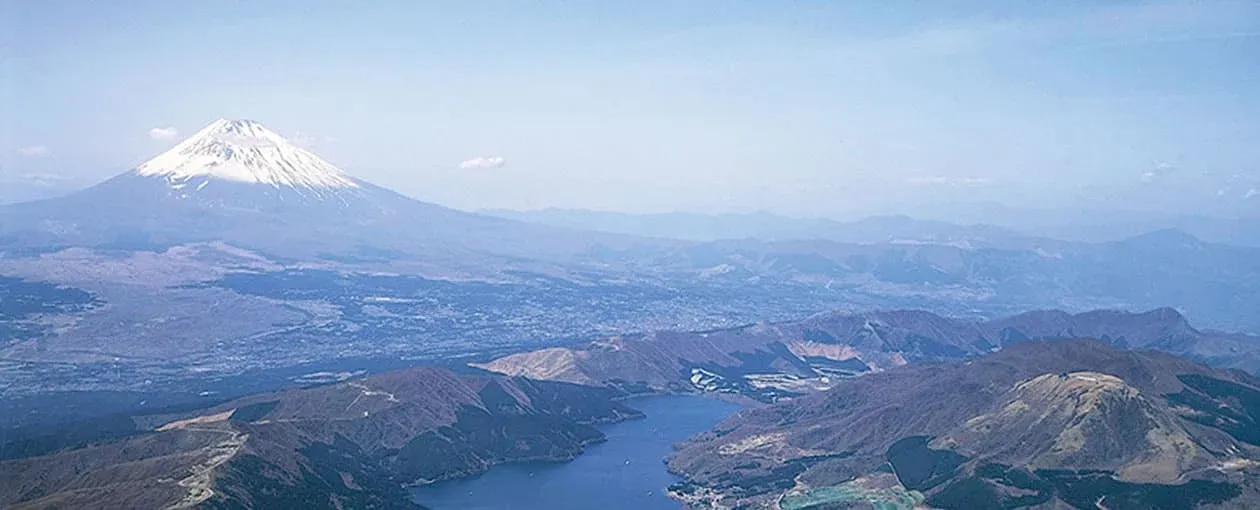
247,152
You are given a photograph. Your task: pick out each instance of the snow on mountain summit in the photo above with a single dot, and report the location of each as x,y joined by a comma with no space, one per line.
244,151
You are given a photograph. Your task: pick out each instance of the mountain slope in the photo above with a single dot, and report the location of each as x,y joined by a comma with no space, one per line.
244,151
346,445
1076,423
238,182
766,361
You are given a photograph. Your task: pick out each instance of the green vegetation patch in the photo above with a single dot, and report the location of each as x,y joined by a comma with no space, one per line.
1001,487
890,498
335,476
22,300
919,467
994,487
1240,418
1086,489
253,412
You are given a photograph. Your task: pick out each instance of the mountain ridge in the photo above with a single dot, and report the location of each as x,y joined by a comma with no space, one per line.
768,226
956,222
1041,423
352,444
771,360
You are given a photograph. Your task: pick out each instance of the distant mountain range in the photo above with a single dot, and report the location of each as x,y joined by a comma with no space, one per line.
346,445
766,226
28,187
770,361
974,226
238,250
1213,284
1068,424
1101,224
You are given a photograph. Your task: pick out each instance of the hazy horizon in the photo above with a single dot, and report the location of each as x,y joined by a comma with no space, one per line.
801,110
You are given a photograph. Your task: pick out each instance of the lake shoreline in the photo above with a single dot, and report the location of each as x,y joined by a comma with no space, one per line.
626,470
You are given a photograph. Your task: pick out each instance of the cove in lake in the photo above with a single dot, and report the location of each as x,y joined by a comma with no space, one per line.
627,472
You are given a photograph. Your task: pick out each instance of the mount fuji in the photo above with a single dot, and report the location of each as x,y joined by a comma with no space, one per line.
245,151
238,182
240,166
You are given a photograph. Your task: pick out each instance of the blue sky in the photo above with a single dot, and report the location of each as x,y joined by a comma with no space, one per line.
804,108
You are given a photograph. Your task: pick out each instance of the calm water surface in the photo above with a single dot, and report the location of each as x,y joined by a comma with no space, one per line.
624,473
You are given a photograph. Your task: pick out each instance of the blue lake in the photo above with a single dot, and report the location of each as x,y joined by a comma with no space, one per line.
625,473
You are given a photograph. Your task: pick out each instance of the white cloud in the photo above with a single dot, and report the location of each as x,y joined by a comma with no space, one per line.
1251,193
165,133
43,179
941,180
925,180
34,151
483,162
1161,169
